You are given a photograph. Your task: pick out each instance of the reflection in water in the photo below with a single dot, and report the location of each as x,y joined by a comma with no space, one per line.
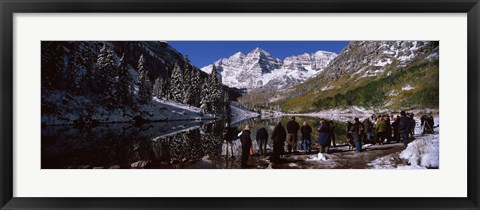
155,145
183,144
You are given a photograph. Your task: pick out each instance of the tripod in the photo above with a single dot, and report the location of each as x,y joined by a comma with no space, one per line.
429,128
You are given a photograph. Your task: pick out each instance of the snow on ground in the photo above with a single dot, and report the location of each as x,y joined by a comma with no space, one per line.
177,105
70,109
406,88
318,157
345,114
422,153
383,63
240,114
383,163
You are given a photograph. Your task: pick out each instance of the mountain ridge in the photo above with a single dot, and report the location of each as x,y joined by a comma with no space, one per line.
259,68
372,74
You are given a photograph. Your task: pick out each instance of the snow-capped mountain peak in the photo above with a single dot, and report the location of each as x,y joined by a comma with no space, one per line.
259,68
236,56
258,52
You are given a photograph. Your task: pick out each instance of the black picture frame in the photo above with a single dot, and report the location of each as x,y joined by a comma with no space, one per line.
10,7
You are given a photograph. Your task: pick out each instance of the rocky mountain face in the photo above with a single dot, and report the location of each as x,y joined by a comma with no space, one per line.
370,58
394,69
313,61
260,69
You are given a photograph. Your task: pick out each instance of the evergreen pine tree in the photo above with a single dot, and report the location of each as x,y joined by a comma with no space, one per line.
124,85
189,97
205,98
74,75
106,76
177,84
216,92
144,84
158,87
196,86
89,60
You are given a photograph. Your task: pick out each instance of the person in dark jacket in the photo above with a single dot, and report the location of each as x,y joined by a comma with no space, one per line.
367,126
411,128
306,131
396,135
292,138
228,135
323,136
357,131
246,144
423,121
403,128
262,139
278,137
332,136
431,122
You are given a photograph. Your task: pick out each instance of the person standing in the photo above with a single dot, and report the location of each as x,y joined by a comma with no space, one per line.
411,128
431,122
367,125
323,137
262,139
278,137
380,128
246,144
357,131
292,138
396,135
306,131
388,131
331,125
403,128
228,139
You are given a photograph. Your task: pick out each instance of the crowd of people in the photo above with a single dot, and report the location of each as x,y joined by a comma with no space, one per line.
377,129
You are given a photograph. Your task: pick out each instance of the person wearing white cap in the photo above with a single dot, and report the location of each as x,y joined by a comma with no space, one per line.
246,144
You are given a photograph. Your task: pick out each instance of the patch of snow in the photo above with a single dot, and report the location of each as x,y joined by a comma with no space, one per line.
366,146
407,88
328,87
382,163
319,157
341,114
158,110
206,159
423,152
292,165
383,63
270,166
178,105
393,93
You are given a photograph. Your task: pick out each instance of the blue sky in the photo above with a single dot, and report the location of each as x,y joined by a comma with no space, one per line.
202,53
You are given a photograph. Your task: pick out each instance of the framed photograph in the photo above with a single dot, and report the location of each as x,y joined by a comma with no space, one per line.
239,105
